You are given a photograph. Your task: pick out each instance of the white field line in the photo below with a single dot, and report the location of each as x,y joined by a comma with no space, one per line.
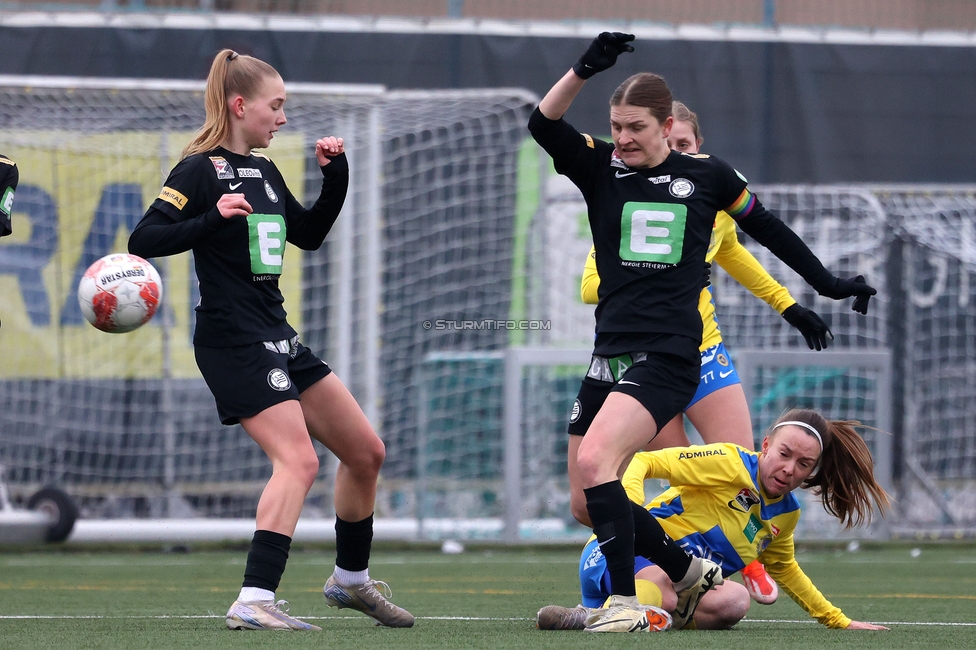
429,618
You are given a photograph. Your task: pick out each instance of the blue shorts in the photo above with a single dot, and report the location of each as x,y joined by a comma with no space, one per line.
717,371
594,577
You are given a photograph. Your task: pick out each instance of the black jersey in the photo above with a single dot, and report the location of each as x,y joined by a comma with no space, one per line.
651,229
8,185
238,260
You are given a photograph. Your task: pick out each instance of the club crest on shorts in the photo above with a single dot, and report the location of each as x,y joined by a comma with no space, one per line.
270,192
577,409
278,379
681,188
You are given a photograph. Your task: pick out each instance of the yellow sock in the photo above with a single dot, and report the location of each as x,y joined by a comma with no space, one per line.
648,593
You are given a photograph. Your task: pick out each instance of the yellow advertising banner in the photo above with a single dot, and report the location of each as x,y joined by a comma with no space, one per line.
78,198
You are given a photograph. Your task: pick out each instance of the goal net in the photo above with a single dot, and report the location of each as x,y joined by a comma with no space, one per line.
125,423
458,254
907,368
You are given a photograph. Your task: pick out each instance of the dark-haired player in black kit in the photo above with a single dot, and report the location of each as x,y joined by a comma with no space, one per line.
651,213
231,207
8,185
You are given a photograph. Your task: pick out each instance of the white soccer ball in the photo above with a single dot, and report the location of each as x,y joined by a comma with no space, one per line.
119,293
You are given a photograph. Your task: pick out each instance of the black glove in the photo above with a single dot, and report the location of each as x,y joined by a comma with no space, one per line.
603,53
811,326
856,286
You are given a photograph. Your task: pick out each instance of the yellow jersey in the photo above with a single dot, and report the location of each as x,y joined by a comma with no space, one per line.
716,508
727,251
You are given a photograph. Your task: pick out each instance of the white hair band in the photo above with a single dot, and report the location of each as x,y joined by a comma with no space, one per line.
805,426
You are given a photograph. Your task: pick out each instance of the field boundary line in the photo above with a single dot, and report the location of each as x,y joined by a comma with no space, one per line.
425,618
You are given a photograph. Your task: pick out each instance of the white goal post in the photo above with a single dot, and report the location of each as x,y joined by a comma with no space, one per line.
456,230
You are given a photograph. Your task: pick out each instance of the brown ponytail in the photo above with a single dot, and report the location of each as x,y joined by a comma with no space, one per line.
844,478
230,74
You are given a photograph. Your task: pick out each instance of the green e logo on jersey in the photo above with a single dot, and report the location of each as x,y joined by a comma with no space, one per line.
266,240
7,202
652,232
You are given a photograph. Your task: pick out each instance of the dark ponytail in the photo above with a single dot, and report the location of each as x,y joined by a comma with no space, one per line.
844,477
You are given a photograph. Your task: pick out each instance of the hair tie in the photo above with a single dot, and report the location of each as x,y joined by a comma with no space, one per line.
805,426
233,55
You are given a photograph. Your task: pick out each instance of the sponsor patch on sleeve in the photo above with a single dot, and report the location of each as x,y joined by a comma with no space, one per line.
173,197
589,140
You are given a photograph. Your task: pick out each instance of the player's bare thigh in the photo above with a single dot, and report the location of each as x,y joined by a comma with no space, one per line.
723,416
335,419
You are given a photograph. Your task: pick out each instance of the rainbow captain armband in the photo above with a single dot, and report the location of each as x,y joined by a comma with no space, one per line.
743,205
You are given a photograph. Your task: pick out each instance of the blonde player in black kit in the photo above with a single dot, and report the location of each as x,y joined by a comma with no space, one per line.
230,206
651,212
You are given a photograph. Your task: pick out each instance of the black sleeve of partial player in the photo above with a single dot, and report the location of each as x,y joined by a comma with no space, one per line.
9,180
307,228
158,235
767,229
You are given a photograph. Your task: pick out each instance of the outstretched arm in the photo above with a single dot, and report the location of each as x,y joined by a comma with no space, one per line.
557,101
775,235
600,55
781,564
745,269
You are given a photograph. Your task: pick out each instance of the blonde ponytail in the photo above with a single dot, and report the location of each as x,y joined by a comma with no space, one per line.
230,74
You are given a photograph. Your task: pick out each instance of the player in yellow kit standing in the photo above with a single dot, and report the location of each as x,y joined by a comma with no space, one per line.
733,505
719,410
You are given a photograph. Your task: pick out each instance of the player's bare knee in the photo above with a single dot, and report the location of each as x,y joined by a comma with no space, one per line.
368,457
307,469
591,466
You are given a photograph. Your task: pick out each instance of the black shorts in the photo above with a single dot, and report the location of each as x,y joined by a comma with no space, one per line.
247,379
664,384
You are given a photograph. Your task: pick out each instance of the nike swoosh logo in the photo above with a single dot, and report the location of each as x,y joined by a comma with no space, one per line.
625,381
606,541
723,375
234,186
619,175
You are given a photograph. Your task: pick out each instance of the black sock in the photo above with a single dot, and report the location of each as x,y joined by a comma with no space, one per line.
353,542
652,542
266,560
613,525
